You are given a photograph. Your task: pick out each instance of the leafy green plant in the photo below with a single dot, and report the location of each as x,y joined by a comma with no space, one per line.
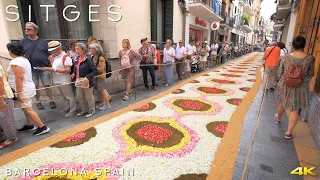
246,18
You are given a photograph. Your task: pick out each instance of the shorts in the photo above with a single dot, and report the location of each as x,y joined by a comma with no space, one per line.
43,75
27,103
100,84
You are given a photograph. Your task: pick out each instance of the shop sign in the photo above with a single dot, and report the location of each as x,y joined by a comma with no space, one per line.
215,26
200,22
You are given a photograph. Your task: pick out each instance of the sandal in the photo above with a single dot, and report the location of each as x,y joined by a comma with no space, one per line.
126,97
4,145
288,136
276,119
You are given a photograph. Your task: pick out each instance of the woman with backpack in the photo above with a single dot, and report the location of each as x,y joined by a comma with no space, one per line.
126,56
295,72
100,81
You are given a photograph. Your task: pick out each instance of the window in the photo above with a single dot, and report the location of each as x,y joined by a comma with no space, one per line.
57,27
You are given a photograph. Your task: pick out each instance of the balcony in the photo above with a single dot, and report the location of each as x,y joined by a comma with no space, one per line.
206,10
247,8
278,25
283,8
227,21
247,26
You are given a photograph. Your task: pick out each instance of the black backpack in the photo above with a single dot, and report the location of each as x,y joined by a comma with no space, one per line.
108,67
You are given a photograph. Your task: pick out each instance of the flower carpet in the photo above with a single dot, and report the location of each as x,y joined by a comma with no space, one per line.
175,136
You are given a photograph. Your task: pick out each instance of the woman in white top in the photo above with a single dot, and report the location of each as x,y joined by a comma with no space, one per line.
20,80
283,51
168,59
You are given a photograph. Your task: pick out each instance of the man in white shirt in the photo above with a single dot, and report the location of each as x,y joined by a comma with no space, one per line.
61,66
181,53
191,51
214,51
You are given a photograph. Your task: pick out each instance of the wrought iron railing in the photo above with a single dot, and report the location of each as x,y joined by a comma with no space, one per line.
229,21
285,2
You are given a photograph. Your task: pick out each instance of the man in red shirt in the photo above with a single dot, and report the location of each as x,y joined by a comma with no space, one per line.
271,62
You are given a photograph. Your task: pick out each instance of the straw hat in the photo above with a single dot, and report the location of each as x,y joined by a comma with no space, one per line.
53,45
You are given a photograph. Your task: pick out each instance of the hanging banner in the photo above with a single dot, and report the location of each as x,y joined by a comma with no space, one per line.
215,26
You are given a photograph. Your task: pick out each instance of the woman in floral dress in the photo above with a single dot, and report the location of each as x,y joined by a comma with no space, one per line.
292,99
128,73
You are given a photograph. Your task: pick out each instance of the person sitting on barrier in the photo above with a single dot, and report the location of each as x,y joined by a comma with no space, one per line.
60,69
100,81
85,72
126,57
20,80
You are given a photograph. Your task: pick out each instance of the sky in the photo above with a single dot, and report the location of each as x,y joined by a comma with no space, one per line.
268,7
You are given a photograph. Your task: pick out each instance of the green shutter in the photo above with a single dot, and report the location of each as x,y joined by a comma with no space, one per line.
168,19
87,23
153,18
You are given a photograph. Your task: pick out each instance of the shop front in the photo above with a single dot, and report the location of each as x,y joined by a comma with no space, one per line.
199,29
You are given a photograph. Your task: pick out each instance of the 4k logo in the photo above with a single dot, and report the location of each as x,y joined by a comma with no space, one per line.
303,171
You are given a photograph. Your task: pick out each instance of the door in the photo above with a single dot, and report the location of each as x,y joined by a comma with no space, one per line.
314,43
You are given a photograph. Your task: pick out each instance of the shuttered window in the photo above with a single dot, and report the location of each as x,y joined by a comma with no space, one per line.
153,19
168,19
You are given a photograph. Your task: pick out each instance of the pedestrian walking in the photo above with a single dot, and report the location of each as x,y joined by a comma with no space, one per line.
191,51
127,56
146,64
100,81
271,63
7,121
293,91
181,53
283,51
85,72
60,70
36,51
168,59
20,81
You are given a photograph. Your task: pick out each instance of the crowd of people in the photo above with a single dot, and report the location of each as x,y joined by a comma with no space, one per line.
78,70
290,74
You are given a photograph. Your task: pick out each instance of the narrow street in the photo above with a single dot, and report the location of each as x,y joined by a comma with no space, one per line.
202,128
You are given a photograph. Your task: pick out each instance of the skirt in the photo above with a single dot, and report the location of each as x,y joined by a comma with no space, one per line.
100,84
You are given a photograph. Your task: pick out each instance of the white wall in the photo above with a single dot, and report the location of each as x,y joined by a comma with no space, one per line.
206,30
291,31
177,22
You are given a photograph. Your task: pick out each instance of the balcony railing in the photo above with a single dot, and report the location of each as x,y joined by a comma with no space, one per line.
280,21
216,6
285,2
229,21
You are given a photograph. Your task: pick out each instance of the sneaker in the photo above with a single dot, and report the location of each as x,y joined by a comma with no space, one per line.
288,136
90,114
53,105
99,105
105,107
276,119
39,106
27,128
82,113
166,85
69,115
65,111
41,130
146,89
153,88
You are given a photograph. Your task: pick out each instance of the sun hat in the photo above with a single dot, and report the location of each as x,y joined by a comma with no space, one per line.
53,45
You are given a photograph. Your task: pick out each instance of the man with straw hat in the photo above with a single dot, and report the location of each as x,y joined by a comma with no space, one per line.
61,67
